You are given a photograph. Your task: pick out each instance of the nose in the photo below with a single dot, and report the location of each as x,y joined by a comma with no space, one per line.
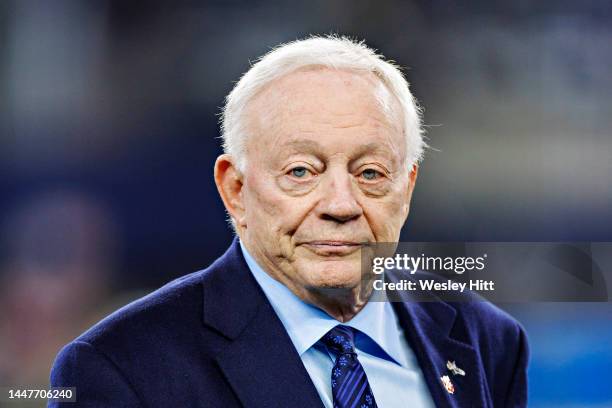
338,202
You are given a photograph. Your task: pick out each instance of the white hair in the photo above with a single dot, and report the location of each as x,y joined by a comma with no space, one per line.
331,52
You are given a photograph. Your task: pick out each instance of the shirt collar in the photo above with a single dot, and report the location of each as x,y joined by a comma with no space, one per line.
306,324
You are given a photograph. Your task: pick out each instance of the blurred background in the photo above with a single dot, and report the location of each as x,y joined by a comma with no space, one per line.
108,134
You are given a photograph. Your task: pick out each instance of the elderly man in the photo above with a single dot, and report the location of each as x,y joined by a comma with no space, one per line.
322,139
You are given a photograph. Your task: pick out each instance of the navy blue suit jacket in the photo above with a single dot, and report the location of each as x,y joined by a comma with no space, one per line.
211,339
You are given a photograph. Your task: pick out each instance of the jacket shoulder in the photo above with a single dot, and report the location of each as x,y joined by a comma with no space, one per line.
167,308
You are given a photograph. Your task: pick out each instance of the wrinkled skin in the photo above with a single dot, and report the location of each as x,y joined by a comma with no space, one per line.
325,175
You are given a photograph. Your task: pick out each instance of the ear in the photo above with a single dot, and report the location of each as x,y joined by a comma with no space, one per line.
229,183
412,177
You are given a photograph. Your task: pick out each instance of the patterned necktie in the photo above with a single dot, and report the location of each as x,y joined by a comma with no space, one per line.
350,387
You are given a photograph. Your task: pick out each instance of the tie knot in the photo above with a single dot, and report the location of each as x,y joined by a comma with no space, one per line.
339,340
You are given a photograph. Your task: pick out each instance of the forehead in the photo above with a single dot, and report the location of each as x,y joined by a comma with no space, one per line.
321,102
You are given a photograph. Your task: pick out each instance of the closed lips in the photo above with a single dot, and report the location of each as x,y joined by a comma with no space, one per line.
333,243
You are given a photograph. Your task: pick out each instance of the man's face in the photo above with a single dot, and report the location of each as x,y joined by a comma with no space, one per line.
325,174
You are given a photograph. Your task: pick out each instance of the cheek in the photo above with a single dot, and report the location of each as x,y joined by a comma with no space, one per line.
270,210
385,222
262,208
386,216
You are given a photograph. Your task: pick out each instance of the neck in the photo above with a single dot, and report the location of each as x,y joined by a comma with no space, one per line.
341,303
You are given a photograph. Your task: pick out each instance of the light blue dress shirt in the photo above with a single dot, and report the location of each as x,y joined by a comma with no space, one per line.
392,369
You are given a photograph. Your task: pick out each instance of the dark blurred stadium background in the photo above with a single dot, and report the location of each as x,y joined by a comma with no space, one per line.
108,133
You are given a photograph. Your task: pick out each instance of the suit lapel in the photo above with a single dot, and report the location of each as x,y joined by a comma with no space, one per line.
259,359
427,326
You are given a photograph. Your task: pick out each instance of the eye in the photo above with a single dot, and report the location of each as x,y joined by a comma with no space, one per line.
299,172
370,174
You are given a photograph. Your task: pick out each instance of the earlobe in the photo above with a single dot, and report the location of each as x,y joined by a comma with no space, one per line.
229,183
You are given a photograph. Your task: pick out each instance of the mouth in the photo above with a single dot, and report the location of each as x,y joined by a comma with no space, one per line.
333,247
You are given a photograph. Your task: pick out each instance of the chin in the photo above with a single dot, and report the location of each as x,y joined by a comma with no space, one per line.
333,274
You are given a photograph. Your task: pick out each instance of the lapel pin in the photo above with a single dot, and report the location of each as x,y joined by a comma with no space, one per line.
448,384
454,369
